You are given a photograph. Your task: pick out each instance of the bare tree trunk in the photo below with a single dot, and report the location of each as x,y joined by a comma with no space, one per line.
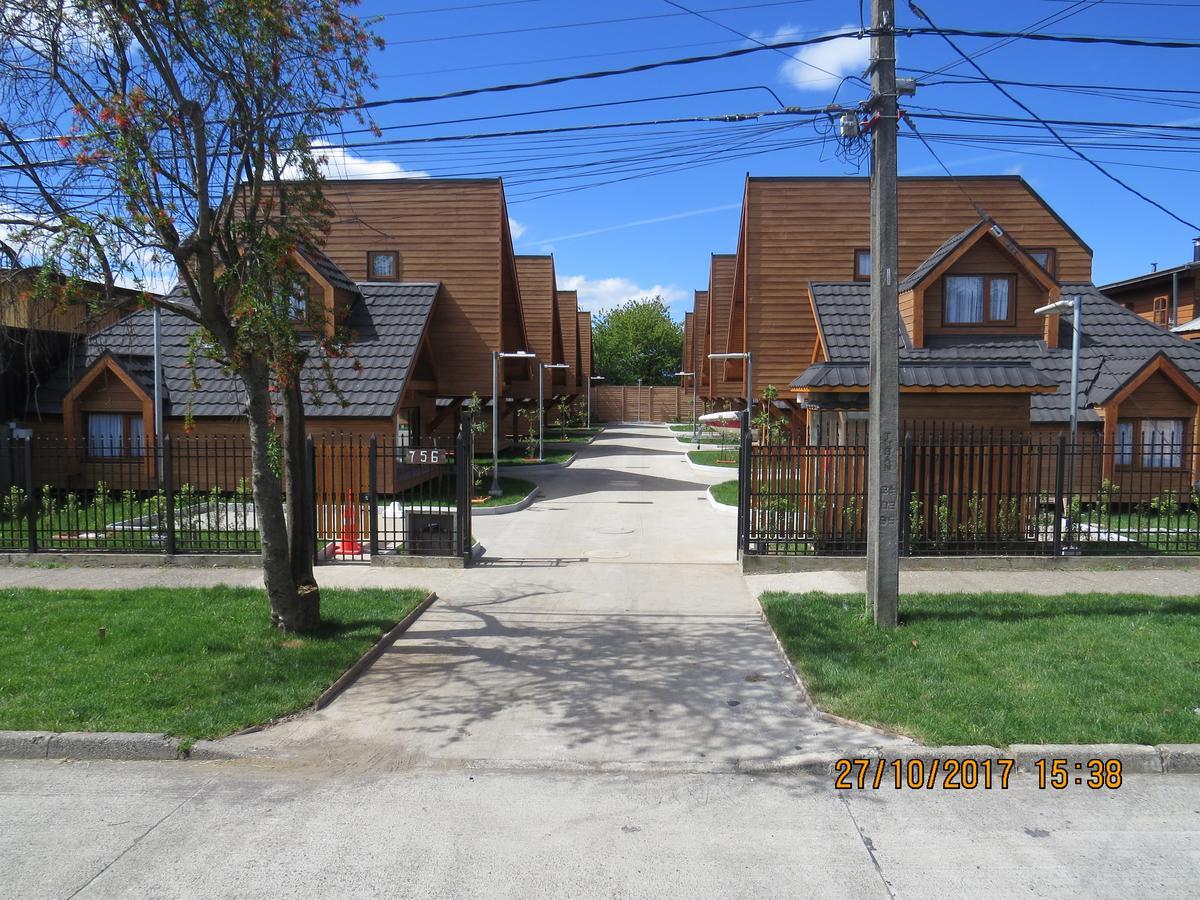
299,496
290,610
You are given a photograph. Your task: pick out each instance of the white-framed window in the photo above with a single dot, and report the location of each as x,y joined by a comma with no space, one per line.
1162,443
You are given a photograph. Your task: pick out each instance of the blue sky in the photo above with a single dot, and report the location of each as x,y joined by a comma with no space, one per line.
633,236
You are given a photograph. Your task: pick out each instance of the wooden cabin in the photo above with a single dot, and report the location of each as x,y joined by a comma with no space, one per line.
1169,298
567,303
799,231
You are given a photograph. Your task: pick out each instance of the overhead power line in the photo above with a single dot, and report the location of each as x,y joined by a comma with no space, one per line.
1049,127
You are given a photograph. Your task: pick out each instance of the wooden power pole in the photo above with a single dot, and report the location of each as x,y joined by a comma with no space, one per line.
883,463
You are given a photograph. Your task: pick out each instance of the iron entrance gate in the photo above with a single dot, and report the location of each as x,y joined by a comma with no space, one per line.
375,498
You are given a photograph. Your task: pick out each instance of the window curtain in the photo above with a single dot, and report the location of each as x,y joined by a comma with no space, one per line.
1162,443
137,436
964,298
104,434
999,300
1124,448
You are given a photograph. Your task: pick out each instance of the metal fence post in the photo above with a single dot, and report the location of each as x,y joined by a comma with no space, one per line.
1059,476
745,445
906,489
463,470
310,475
31,504
373,495
168,479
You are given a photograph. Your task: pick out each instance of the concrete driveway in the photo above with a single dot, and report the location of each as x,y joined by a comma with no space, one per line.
608,626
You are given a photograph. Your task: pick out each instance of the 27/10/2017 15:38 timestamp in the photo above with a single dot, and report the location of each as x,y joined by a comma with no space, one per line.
876,773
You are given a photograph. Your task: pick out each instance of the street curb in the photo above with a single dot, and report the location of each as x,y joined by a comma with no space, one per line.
786,565
720,507
117,560
538,467
508,507
141,746
352,674
1165,759
711,470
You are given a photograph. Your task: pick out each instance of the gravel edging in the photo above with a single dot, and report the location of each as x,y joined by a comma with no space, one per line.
141,746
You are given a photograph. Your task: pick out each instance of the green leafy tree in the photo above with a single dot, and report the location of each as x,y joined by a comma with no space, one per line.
638,340
155,136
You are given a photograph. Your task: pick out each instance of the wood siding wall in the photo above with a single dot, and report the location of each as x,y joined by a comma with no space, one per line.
802,230
568,314
987,259
703,372
447,231
585,349
725,377
629,403
688,356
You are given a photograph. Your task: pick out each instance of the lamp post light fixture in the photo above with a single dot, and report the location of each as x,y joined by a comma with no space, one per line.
589,398
691,375
1073,306
542,367
749,358
497,355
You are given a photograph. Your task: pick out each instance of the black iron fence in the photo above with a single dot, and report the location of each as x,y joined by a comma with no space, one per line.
367,497
977,493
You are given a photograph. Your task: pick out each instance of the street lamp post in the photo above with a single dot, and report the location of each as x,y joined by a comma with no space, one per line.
749,358
589,398
691,375
542,367
498,355
1062,307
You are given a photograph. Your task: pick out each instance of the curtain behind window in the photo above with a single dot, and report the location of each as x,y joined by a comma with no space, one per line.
1162,443
998,309
104,434
964,298
1124,449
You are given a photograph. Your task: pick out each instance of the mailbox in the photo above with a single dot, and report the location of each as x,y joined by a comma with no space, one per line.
431,534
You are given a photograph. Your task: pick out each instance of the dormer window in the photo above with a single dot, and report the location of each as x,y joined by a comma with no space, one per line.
862,265
1159,311
1045,257
298,305
979,299
383,265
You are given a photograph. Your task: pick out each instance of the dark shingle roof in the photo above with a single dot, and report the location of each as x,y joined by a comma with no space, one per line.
934,259
329,270
1116,344
387,322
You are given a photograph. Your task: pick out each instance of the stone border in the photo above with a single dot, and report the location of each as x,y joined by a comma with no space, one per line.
719,507
352,674
141,746
524,503
782,565
134,560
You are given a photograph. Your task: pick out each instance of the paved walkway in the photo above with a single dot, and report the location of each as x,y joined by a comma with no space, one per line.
608,626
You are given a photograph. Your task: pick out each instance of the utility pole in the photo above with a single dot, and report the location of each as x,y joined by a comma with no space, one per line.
883,491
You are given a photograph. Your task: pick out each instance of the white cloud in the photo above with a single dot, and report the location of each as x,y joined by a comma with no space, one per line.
845,56
602,294
515,228
340,163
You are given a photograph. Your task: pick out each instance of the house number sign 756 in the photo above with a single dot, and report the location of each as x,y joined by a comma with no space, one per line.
427,456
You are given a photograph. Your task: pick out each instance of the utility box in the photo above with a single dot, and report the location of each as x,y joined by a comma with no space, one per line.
431,534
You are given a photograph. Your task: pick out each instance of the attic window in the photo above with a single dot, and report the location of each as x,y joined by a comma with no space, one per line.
862,265
298,305
1046,257
383,265
979,299
1160,314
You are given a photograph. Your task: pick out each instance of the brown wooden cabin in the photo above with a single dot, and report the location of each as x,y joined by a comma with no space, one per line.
720,383
572,338
40,319
586,367
979,368
94,419
699,361
1170,298
688,355
798,231
454,232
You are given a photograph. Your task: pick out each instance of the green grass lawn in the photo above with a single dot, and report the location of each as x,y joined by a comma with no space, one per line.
726,492
192,662
515,490
724,458
517,458
1001,669
556,437
730,440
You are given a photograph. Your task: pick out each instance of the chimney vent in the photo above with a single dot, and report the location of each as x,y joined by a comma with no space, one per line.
1196,249
1153,267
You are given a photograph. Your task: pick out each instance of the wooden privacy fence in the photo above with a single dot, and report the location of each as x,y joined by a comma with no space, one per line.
984,495
365,498
648,403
